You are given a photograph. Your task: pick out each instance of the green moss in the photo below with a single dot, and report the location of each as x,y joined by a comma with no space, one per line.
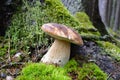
56,12
3,47
40,71
2,51
92,72
86,27
110,49
115,34
25,27
87,71
84,19
80,21
72,65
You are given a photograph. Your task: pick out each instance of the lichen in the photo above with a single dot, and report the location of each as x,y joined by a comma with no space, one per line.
110,49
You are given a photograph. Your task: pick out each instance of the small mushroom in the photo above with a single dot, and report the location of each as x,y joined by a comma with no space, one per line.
59,52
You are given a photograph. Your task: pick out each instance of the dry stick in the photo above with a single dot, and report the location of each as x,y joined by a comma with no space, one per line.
9,58
12,64
88,77
109,76
10,72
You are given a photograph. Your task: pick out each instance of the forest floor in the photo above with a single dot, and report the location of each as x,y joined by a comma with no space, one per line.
10,66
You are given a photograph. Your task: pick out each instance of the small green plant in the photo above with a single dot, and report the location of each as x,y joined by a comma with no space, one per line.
3,47
40,71
2,51
25,27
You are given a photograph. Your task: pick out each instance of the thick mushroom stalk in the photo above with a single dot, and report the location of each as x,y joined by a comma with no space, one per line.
58,54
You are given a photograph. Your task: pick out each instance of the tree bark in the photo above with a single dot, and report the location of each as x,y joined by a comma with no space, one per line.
117,15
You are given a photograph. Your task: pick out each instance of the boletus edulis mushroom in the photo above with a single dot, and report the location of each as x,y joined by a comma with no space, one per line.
59,52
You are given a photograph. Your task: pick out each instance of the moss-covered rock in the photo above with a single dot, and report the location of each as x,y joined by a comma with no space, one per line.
84,20
56,12
40,71
110,48
86,28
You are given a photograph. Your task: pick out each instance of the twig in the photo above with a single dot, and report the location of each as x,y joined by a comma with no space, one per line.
88,77
9,58
12,64
109,76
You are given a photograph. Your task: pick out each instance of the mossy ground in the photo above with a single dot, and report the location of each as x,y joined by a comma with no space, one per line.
40,71
110,48
115,34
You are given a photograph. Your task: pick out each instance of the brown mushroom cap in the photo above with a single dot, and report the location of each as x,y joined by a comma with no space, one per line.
62,32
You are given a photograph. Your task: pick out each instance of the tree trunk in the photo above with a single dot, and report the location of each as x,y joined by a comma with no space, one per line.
73,5
117,17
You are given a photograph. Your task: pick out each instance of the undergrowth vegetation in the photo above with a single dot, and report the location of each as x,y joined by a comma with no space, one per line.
25,27
40,71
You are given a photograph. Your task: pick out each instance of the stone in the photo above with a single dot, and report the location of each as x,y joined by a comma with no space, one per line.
9,78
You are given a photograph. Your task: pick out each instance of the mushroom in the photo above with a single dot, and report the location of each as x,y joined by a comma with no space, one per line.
59,52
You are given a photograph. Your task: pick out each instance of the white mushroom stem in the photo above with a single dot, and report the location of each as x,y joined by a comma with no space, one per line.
58,54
